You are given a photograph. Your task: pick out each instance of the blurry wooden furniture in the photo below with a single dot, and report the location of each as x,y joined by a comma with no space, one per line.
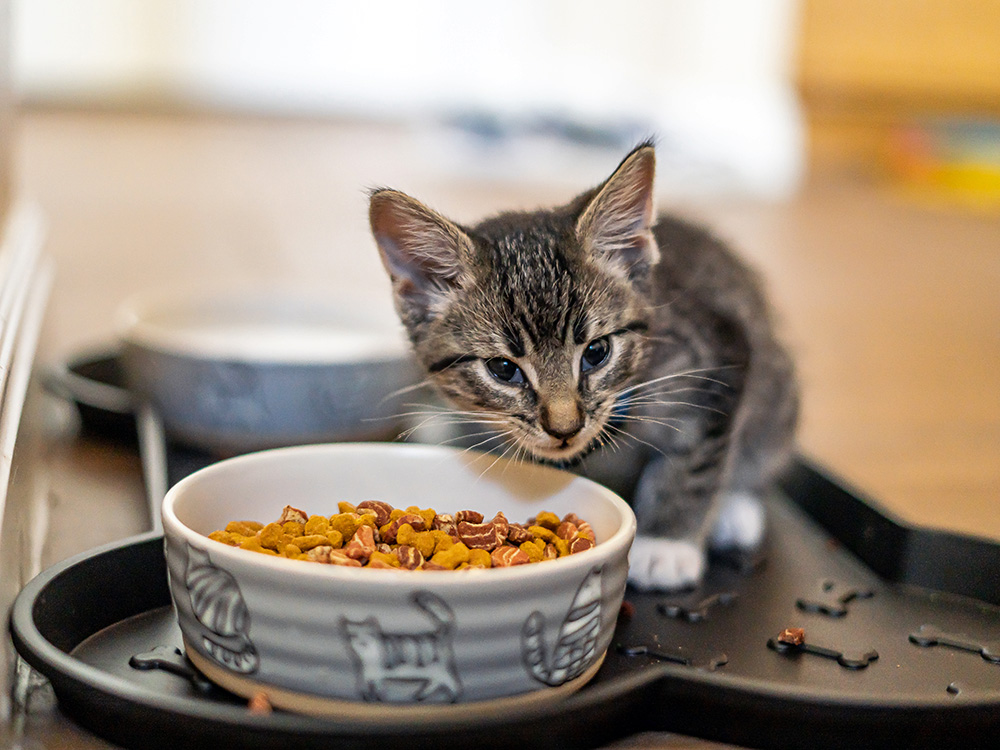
866,65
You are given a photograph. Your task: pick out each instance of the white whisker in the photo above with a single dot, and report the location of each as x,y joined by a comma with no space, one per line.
630,436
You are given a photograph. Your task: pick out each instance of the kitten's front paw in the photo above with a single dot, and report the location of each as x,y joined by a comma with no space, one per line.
740,524
663,564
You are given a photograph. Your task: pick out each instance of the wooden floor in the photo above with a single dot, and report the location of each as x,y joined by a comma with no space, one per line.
892,309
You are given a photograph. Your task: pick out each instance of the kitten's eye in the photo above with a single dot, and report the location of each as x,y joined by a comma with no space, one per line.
504,370
595,354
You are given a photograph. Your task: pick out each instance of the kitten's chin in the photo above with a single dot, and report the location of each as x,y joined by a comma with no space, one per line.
564,459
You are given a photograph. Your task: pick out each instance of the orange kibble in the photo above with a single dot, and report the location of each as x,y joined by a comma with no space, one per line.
412,538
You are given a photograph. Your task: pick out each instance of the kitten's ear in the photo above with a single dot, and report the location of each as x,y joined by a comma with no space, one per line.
616,226
422,251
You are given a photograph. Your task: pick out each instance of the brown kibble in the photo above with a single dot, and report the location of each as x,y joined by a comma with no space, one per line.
339,557
409,557
259,704
390,531
580,544
566,530
380,509
411,538
469,516
792,636
292,514
368,519
362,545
518,534
446,523
319,554
507,556
487,536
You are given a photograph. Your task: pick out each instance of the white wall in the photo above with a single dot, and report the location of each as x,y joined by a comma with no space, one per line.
710,78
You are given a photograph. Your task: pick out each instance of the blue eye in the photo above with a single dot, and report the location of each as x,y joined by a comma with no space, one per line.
505,371
595,354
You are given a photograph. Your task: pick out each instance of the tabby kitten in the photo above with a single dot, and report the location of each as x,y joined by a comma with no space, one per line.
636,350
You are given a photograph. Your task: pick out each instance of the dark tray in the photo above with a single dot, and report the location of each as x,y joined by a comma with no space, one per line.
703,663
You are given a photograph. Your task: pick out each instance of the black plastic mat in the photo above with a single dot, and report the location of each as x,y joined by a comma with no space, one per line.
884,663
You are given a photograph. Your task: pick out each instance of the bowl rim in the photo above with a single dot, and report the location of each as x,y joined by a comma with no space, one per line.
138,321
619,541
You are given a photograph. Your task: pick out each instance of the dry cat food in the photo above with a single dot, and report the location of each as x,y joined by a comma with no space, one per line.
792,636
374,534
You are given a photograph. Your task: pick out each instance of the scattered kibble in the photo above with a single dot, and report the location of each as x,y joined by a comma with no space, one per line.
792,636
373,534
259,703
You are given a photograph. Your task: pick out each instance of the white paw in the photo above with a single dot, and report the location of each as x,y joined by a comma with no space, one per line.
740,523
661,564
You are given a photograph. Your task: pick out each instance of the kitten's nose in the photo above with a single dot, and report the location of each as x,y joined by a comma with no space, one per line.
561,419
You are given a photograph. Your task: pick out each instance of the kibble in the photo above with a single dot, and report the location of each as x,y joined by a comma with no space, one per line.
373,534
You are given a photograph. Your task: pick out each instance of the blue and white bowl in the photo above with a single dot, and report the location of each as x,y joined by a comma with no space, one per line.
332,640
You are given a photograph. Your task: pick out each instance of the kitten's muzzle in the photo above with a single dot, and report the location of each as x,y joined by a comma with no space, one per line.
562,420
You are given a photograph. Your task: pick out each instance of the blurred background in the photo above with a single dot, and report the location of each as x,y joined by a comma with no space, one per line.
850,149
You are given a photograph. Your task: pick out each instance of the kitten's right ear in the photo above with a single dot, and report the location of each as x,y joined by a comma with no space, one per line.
422,251
616,226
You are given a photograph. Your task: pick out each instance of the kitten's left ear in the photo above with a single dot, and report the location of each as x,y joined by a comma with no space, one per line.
616,226
423,252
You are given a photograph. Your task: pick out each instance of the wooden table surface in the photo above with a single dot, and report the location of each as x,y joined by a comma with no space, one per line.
892,310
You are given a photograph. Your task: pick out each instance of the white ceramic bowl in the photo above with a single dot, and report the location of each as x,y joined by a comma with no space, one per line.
239,368
322,639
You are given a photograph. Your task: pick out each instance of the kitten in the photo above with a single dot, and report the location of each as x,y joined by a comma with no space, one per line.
596,336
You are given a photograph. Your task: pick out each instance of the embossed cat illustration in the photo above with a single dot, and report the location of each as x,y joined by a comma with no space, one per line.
219,608
576,646
416,666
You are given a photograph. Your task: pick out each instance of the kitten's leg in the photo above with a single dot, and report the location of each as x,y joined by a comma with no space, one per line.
763,447
740,523
675,501
674,505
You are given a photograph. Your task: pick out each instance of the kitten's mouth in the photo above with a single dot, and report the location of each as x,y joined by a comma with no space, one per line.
567,453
